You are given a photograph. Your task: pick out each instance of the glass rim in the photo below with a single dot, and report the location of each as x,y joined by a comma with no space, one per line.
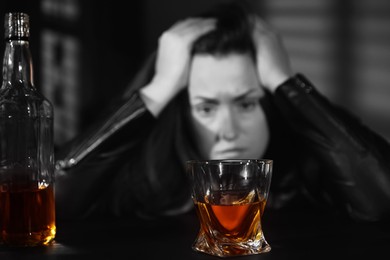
230,161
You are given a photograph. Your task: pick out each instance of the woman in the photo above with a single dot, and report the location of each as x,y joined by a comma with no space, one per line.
221,86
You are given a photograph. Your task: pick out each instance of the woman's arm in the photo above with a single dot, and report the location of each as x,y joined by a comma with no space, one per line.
354,165
86,165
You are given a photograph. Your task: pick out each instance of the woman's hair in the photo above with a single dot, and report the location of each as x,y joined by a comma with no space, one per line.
233,33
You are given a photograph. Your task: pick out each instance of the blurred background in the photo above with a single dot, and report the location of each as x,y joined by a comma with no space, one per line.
85,52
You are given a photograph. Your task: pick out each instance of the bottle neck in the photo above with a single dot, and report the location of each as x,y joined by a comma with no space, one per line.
17,64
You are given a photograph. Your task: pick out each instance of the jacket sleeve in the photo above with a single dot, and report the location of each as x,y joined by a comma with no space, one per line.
352,160
86,165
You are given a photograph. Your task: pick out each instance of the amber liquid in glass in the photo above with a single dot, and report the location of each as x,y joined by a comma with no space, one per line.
229,221
27,215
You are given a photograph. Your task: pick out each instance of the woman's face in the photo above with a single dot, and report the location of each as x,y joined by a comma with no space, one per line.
224,95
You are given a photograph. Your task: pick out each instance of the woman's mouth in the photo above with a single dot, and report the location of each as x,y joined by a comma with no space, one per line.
229,153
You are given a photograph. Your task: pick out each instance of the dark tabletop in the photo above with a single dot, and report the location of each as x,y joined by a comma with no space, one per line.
291,234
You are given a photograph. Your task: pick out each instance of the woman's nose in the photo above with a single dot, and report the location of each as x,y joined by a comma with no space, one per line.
228,125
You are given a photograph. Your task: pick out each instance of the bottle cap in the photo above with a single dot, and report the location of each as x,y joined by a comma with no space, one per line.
16,25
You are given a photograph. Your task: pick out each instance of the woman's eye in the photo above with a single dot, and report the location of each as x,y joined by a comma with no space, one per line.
248,105
205,109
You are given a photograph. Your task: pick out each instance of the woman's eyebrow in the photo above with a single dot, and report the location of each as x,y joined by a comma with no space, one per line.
245,94
215,100
206,99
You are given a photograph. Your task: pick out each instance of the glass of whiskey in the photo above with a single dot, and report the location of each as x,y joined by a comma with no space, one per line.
230,198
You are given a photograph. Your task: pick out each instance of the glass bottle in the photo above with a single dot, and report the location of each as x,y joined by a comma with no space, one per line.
27,205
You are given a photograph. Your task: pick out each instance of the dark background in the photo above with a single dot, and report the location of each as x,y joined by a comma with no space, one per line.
86,52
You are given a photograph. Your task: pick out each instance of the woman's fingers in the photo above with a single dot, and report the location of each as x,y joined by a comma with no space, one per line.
273,63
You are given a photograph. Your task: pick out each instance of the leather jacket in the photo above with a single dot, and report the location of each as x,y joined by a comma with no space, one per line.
322,154
342,162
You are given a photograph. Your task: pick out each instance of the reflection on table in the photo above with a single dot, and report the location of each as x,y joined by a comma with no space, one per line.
291,234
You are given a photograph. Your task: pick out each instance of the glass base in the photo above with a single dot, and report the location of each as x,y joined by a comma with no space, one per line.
228,249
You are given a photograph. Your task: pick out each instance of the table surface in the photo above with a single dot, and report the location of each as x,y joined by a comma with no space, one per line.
291,234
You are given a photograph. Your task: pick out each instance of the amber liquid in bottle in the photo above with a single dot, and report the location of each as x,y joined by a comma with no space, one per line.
27,205
27,214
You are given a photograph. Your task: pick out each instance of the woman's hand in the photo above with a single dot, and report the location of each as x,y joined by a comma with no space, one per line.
173,61
273,65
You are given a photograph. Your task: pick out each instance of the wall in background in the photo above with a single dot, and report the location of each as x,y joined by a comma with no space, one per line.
344,49
86,52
